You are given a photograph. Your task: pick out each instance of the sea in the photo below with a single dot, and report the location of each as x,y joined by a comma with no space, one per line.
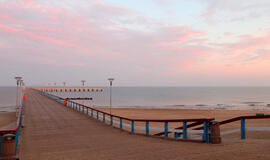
224,98
8,99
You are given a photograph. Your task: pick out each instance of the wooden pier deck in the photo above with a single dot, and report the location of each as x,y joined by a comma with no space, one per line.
54,132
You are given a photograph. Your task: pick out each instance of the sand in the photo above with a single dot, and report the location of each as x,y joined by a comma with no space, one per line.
219,115
7,120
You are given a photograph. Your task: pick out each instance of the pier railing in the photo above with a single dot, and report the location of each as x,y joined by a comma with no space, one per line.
14,132
187,128
243,127
143,126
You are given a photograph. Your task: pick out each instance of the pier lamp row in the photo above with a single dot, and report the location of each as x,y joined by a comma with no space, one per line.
71,89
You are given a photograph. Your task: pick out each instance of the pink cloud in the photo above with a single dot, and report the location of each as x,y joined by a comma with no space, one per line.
182,33
33,36
94,39
251,48
252,9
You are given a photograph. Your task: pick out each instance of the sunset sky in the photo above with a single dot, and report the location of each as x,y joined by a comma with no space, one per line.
138,42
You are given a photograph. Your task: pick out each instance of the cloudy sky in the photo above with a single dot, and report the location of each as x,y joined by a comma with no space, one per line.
138,42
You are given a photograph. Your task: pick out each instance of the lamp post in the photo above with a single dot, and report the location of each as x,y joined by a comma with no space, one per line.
18,80
111,80
83,82
20,92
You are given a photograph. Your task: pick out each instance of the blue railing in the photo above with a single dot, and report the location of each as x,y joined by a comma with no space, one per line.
205,129
112,120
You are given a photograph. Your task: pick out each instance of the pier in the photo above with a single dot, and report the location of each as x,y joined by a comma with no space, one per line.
55,128
52,131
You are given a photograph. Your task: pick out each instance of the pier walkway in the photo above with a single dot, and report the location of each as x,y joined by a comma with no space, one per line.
52,131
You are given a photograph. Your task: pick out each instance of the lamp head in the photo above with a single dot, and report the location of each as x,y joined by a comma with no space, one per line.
18,80
110,79
83,81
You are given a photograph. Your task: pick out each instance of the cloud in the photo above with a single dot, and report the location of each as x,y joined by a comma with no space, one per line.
239,10
107,38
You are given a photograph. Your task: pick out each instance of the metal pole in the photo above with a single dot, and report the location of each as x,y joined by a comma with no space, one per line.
17,92
110,97
83,81
111,80
18,80
19,96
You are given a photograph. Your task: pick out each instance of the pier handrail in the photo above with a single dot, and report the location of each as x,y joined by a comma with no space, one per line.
204,121
182,130
243,122
140,120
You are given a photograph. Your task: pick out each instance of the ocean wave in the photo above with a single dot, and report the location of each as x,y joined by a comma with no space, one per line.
194,107
7,108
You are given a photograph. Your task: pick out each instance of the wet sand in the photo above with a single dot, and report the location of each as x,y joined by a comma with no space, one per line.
7,120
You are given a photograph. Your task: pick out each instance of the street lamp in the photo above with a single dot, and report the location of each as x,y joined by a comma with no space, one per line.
83,81
18,81
111,80
20,92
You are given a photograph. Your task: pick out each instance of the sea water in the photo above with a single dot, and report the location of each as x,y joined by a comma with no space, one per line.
250,98
7,99
236,98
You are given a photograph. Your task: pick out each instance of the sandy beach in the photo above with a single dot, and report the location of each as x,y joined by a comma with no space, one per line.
7,120
219,115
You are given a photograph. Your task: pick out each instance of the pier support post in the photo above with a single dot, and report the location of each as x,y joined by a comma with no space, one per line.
132,126
111,120
0,145
103,117
205,132
184,130
147,128
176,135
166,129
83,109
215,137
121,123
243,129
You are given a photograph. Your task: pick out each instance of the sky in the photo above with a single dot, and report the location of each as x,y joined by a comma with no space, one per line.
137,42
